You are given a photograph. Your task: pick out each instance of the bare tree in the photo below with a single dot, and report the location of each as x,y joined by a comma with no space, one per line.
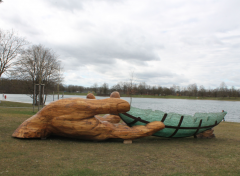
142,88
95,87
124,87
131,90
173,89
116,87
233,92
202,91
223,90
11,46
105,89
39,64
159,90
192,89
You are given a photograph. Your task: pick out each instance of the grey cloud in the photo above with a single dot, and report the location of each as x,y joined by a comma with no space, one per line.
70,64
106,51
76,4
66,5
154,74
197,35
22,24
176,79
230,37
236,46
201,38
196,41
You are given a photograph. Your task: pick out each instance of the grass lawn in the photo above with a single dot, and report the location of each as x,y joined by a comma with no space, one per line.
14,104
146,156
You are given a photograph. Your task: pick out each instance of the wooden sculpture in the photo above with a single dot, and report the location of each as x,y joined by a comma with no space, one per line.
75,117
206,134
110,117
90,96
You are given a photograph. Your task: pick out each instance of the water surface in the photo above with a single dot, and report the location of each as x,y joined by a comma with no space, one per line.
181,106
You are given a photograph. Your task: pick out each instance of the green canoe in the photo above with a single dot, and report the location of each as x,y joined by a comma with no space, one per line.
176,125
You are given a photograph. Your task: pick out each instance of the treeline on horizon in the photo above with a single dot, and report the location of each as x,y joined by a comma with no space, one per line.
16,86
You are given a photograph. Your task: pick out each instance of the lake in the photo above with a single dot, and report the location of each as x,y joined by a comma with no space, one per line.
181,106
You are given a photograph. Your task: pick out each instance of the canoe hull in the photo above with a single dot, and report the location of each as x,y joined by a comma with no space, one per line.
176,125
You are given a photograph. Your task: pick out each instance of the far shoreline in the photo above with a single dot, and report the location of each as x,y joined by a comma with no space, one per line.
178,97
154,96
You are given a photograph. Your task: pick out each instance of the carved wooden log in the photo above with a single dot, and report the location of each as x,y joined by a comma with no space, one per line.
74,117
115,94
109,118
90,96
206,134
113,118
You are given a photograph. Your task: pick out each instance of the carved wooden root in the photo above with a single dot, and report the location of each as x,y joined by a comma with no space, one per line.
74,117
206,134
108,117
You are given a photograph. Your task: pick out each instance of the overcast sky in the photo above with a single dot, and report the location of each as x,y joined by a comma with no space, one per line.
168,42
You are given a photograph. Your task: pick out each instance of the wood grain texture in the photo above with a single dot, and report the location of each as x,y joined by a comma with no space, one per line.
109,118
113,118
75,118
115,94
206,134
90,96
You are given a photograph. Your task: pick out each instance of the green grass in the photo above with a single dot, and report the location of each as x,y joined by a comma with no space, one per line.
14,104
147,156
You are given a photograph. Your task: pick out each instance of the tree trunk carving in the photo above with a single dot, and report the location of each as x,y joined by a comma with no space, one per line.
75,118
